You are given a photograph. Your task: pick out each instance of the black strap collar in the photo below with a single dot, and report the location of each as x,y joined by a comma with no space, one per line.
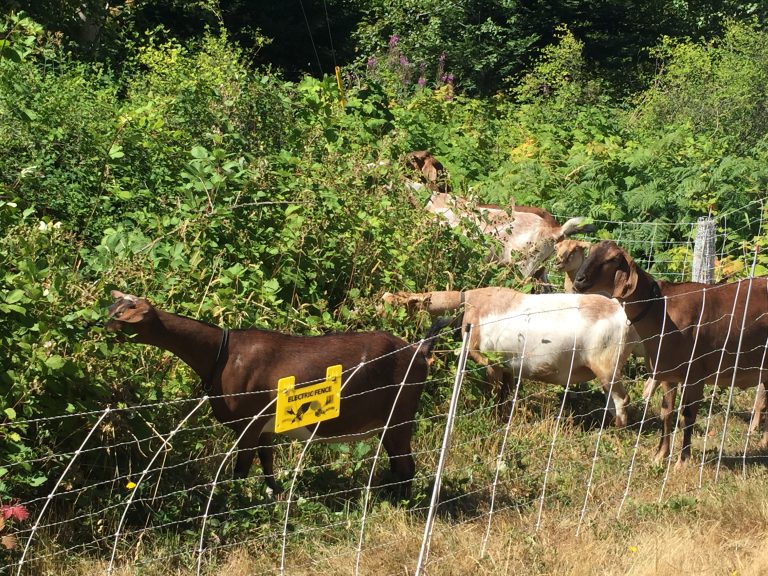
208,382
655,295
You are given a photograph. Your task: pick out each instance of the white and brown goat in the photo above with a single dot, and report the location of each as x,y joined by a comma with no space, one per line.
702,333
552,338
570,255
381,384
527,234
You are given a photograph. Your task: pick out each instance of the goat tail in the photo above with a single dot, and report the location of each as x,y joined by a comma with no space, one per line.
430,338
578,225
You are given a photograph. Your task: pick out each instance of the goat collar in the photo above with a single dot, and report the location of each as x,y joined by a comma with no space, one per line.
655,295
208,382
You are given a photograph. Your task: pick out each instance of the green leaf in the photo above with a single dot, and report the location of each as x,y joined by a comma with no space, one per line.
55,362
122,194
271,286
11,413
199,152
37,481
14,296
30,115
116,151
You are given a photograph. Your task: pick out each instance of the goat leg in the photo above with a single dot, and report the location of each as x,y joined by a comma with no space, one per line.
504,404
243,462
253,442
668,396
690,401
266,457
397,443
757,415
618,399
498,378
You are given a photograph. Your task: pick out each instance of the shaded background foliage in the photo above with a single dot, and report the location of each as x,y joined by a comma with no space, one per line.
488,43
178,151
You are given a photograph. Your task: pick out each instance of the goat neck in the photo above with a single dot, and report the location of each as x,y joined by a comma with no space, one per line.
441,302
640,304
198,344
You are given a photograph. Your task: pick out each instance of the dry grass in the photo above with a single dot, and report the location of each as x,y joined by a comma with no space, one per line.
722,535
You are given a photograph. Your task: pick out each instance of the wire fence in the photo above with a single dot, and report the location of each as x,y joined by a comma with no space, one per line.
481,456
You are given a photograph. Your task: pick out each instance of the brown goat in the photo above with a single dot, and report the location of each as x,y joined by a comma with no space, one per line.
430,168
700,333
570,255
382,380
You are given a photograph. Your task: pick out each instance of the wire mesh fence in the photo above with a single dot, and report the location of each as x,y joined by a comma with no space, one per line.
483,459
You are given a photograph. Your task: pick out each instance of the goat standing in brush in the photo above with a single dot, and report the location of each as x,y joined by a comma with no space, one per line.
527,234
553,338
381,385
700,333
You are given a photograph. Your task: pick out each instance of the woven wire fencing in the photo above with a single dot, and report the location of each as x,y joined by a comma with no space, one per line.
483,460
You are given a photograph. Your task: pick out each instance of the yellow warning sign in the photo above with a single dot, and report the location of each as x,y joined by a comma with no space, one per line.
307,405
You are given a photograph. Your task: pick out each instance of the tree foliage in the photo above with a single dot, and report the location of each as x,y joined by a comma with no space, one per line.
487,44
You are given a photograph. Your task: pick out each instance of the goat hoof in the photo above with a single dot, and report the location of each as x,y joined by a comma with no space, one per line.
682,462
275,491
660,457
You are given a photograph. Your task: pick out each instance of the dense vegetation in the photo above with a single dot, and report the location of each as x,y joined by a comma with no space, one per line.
179,165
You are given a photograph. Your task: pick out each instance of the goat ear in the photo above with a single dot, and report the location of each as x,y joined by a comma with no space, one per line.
136,312
430,171
117,295
625,279
411,303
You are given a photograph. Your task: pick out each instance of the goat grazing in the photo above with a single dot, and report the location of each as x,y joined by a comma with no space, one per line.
699,333
552,338
527,234
382,380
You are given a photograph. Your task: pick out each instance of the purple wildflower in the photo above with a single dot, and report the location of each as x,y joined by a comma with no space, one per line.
393,40
440,66
422,81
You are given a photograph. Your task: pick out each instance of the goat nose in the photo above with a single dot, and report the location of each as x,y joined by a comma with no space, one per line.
579,282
